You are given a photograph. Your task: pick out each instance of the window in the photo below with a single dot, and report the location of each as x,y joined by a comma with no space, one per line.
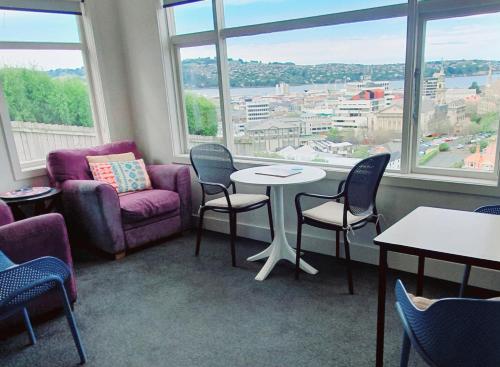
44,87
342,80
460,94
201,95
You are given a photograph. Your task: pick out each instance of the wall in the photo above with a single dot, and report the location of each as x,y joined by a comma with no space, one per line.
108,43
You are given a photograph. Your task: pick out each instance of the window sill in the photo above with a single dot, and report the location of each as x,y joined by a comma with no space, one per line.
31,172
418,181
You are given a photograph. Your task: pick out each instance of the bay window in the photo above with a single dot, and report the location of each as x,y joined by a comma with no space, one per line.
338,81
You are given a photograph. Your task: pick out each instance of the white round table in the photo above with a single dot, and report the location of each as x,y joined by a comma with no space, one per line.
279,248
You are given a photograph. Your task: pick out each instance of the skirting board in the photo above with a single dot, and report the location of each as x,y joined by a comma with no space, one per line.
362,252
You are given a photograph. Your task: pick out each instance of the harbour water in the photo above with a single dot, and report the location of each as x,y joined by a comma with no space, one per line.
455,82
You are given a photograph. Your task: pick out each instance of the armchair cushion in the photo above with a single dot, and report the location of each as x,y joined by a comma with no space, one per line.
332,213
237,200
142,205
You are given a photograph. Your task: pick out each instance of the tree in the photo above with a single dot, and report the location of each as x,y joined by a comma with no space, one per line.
444,147
335,135
34,96
201,115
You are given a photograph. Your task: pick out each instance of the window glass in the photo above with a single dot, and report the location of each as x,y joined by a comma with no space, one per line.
245,12
193,17
460,94
47,97
22,26
326,95
201,95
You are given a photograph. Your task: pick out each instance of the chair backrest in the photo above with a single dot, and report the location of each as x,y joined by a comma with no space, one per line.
489,209
362,184
453,332
71,164
212,163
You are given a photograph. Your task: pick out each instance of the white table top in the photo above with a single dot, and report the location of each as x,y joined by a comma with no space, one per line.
455,232
307,175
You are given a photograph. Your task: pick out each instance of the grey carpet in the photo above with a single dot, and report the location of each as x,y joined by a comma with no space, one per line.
164,307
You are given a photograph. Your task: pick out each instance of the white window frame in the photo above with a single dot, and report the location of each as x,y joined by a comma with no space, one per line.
416,12
96,94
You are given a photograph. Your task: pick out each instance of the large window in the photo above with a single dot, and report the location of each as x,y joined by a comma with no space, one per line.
339,81
460,94
44,86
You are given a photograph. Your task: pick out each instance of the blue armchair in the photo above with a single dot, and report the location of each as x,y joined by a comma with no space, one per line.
20,284
453,332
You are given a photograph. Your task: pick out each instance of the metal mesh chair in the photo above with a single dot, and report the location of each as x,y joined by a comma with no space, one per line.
20,284
358,191
213,164
488,209
451,332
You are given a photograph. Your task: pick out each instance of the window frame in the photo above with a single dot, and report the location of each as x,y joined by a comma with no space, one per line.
415,11
96,94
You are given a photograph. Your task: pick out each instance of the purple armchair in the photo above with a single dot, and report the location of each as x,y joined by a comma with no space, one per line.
36,237
98,217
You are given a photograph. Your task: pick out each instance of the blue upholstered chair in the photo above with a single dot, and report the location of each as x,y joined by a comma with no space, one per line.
488,209
20,284
452,332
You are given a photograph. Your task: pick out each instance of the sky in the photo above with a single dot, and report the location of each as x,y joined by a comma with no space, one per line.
375,42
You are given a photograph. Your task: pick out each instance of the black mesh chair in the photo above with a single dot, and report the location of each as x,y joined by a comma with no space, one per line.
213,165
358,192
488,209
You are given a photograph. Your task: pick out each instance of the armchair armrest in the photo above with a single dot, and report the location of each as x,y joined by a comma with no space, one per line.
6,216
92,209
37,237
298,207
174,177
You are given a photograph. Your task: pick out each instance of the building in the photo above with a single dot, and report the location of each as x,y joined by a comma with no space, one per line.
483,161
257,111
282,89
457,114
274,134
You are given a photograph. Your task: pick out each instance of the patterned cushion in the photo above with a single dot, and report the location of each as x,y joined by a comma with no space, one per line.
123,176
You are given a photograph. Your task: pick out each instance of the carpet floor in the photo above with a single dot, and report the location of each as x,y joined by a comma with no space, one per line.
162,306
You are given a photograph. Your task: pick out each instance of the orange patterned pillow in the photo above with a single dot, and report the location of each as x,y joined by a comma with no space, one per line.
123,176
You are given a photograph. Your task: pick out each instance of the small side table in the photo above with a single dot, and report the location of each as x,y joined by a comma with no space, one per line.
41,204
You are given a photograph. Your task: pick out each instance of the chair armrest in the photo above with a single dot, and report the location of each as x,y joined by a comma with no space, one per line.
174,177
222,187
298,207
37,237
92,210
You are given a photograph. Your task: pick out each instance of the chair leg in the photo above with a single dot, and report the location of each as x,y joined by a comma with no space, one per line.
232,228
200,230
465,280
72,325
29,327
348,263
405,351
377,228
337,244
297,249
270,214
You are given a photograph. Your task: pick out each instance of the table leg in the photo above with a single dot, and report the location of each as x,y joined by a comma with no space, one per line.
279,248
382,286
420,275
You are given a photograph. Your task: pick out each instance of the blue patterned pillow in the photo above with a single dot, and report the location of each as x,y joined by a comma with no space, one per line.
131,176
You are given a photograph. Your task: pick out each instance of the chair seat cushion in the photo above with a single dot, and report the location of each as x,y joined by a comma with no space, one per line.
142,205
423,303
237,200
332,213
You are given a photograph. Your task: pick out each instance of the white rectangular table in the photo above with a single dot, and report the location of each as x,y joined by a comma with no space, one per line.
443,234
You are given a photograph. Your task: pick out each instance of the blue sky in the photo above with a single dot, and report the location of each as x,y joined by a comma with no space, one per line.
373,42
